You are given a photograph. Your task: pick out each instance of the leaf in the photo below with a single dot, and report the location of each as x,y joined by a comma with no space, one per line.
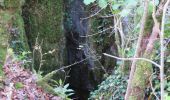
168,89
116,6
70,94
66,86
102,3
139,10
125,12
19,85
60,82
150,7
131,3
70,90
156,2
87,2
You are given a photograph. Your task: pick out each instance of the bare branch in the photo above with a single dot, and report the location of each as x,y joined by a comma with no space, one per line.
162,49
145,59
92,15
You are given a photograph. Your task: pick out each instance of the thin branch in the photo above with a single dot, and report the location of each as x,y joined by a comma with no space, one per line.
62,68
107,16
145,59
153,90
162,49
98,32
92,15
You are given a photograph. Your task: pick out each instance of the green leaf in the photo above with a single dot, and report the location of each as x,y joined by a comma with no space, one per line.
156,2
150,7
125,12
131,3
60,82
19,85
66,86
116,6
168,89
167,97
102,3
139,10
87,2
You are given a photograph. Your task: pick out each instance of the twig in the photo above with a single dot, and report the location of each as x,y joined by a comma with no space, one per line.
153,90
64,67
92,15
107,16
98,32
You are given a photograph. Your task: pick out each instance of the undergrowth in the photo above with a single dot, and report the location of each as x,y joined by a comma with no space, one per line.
113,88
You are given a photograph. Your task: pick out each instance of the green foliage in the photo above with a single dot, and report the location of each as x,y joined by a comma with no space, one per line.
62,90
167,27
123,8
19,85
102,3
167,97
52,86
113,88
12,3
87,2
23,55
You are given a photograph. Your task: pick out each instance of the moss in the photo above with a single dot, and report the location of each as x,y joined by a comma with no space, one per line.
13,3
47,88
149,25
141,79
143,68
4,19
18,40
10,20
19,85
45,21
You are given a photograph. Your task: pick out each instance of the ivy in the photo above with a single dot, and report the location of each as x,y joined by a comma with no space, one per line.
101,3
87,2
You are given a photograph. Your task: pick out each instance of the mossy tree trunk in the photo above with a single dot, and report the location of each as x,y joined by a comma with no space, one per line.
144,69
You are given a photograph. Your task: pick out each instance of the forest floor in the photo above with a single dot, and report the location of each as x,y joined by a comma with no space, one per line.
20,84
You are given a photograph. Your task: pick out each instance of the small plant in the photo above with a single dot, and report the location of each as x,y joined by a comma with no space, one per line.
62,90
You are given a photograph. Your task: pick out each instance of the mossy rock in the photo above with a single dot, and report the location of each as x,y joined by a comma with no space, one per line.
44,21
4,36
10,21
